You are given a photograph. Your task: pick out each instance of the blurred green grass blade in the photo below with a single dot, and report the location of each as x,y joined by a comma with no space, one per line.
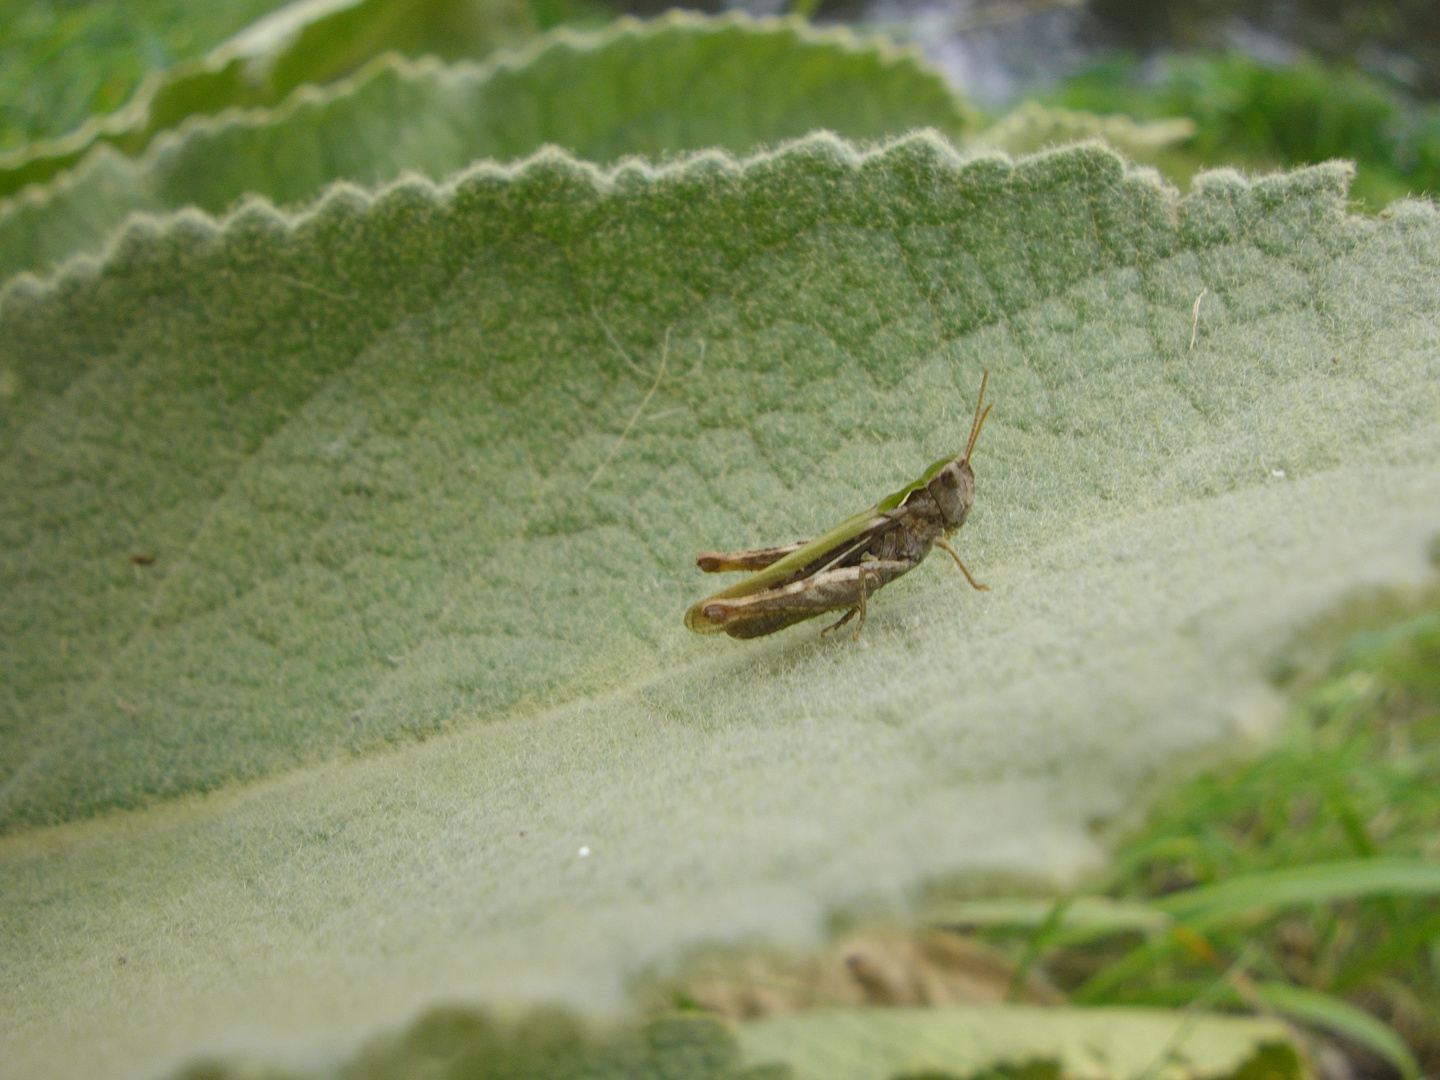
1408,938
1212,905
1104,985
1041,937
1085,919
1317,883
1339,1016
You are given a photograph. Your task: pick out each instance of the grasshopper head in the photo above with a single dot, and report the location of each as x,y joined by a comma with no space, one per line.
953,487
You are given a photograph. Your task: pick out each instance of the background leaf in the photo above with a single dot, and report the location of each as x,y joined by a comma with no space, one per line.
682,82
1030,127
308,41
65,63
1108,1044
416,706
841,1044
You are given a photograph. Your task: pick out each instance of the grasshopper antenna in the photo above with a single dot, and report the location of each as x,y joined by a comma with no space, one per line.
979,420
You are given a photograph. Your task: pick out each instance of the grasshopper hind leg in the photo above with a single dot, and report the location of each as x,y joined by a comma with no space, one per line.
845,589
753,628
865,579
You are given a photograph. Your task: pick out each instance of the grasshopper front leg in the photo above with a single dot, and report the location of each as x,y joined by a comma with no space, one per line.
868,584
843,589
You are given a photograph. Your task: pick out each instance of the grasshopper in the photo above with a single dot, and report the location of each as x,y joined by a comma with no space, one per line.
840,570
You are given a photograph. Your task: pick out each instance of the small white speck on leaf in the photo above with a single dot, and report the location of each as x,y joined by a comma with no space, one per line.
584,853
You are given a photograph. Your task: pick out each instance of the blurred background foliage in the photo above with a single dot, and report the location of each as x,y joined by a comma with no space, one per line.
1259,116
65,61
1357,777
1267,84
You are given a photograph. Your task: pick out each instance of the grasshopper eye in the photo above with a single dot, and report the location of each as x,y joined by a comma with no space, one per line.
949,479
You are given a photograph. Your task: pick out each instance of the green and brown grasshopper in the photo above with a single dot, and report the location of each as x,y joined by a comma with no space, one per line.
840,570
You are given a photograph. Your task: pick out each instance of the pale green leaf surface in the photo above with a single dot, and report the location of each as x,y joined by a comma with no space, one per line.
358,443
308,41
1085,1044
681,82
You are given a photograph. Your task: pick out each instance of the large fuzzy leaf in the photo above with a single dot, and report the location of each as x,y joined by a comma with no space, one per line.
682,82
403,709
